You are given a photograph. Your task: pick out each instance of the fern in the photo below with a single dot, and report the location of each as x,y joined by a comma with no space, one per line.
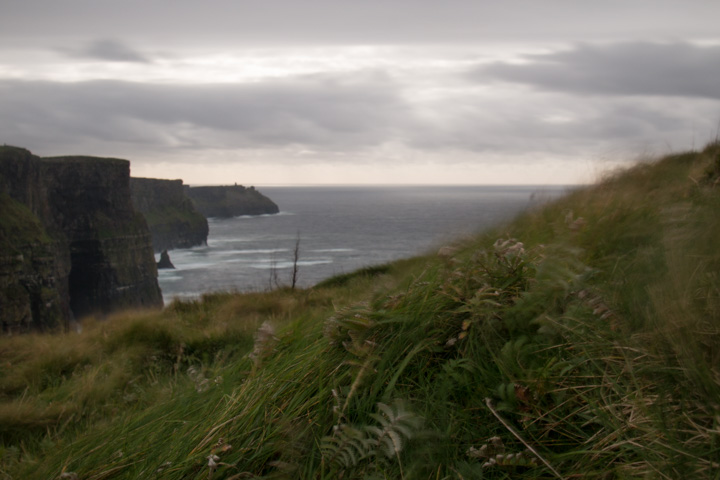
396,424
348,446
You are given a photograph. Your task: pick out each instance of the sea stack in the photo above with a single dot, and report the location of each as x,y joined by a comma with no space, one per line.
165,262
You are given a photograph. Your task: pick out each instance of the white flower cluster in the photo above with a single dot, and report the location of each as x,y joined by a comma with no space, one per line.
509,246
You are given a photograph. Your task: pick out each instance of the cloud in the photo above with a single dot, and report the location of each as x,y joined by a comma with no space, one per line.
108,50
329,22
565,125
638,68
363,115
319,112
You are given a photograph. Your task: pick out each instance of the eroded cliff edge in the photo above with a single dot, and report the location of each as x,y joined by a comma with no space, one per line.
172,218
72,242
230,201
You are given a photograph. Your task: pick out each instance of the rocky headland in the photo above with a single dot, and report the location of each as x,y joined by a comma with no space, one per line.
230,201
172,218
72,243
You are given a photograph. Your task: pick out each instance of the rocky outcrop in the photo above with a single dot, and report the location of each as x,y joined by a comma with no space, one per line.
164,262
230,201
72,242
170,214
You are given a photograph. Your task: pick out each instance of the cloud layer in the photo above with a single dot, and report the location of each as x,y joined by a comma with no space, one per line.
109,50
414,83
320,112
370,22
622,94
637,68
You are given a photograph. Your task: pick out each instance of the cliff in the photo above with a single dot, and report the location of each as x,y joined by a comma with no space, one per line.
230,201
34,255
72,242
170,214
33,272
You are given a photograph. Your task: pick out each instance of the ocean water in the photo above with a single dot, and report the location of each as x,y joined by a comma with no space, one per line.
340,229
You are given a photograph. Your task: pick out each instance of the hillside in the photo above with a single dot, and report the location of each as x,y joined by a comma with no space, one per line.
581,340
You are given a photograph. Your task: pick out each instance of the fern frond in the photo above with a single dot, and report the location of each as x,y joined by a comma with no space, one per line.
397,424
347,447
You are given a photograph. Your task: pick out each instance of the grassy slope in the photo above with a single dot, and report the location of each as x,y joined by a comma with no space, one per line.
588,350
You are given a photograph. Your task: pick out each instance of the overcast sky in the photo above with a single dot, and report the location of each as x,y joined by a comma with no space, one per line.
265,92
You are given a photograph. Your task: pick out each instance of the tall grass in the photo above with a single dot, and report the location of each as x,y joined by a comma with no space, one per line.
579,341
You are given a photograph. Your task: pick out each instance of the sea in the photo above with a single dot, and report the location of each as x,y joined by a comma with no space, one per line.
337,230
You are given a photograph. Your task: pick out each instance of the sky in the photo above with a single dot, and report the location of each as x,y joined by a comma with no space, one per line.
307,92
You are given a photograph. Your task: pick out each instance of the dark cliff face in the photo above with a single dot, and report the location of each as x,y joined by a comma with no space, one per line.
33,272
87,248
34,255
113,266
231,201
171,216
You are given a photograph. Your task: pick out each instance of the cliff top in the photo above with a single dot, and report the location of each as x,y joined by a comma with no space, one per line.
84,159
146,179
9,149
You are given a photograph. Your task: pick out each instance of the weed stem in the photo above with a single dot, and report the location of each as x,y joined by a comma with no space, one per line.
488,402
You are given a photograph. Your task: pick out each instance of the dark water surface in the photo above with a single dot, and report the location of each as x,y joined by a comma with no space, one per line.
341,229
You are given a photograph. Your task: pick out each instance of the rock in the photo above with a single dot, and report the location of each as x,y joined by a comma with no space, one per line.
165,262
173,220
230,201
72,243
113,265
33,272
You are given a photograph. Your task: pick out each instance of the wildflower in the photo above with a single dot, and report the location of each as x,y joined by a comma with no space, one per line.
509,246
197,376
213,461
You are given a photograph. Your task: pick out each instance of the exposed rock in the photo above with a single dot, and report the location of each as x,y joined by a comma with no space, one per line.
171,216
231,201
72,242
165,262
34,254
33,272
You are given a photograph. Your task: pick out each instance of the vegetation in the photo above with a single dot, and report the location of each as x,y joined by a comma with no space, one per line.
19,224
581,340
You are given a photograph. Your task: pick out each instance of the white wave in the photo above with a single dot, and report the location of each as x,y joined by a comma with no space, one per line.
279,214
168,278
214,242
192,266
253,251
333,250
287,264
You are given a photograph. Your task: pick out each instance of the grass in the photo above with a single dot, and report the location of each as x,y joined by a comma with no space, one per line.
20,228
579,341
